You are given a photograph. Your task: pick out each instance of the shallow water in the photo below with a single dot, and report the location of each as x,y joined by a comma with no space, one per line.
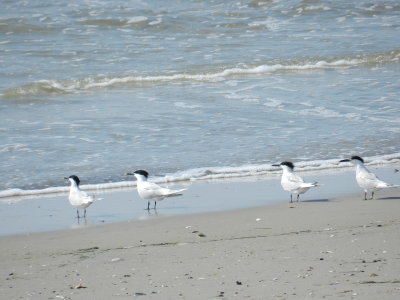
98,89
53,212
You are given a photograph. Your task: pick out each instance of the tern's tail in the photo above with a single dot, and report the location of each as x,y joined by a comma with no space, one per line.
173,193
310,185
91,199
389,186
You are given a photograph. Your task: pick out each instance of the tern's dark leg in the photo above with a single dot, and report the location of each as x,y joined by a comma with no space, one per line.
77,213
148,205
365,196
372,195
84,213
291,200
298,195
155,204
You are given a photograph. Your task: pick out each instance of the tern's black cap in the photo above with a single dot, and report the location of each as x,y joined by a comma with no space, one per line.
75,178
358,158
288,164
142,172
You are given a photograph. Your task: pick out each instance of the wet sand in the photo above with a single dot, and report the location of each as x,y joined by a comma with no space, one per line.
337,248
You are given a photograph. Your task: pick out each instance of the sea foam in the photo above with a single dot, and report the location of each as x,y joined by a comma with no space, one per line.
66,86
212,173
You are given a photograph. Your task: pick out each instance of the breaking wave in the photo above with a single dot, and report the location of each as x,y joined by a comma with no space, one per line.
215,173
67,86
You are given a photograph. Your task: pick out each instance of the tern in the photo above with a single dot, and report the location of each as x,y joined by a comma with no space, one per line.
78,198
365,178
151,191
292,182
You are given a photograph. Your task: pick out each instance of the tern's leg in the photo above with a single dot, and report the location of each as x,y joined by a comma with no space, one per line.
77,213
365,196
291,200
155,204
372,195
298,195
84,213
148,205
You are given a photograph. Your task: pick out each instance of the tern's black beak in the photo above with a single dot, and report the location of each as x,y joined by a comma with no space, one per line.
129,173
276,165
345,160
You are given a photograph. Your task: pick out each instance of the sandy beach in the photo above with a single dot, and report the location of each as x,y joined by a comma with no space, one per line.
337,248
210,98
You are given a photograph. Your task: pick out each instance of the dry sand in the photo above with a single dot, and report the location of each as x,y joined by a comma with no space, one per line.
344,248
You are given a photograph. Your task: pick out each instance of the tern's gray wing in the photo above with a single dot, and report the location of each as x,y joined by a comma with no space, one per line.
294,179
369,180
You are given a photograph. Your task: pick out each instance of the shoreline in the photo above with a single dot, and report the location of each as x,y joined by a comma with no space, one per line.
54,213
344,247
213,174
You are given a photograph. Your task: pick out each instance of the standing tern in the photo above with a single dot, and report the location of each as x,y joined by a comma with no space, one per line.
292,182
151,191
365,178
78,198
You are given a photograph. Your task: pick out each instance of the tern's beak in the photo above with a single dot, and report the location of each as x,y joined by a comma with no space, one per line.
276,165
345,160
129,173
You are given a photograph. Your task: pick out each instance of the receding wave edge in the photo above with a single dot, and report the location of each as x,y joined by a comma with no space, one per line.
214,173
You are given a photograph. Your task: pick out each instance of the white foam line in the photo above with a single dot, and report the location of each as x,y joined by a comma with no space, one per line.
221,75
15,195
72,86
12,195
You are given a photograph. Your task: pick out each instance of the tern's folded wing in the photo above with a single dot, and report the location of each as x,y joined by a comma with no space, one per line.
293,178
368,179
169,192
151,189
86,199
369,176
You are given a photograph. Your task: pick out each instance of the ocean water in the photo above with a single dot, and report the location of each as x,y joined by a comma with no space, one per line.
193,89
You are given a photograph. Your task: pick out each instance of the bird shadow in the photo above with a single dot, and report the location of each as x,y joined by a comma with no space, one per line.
389,198
316,200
